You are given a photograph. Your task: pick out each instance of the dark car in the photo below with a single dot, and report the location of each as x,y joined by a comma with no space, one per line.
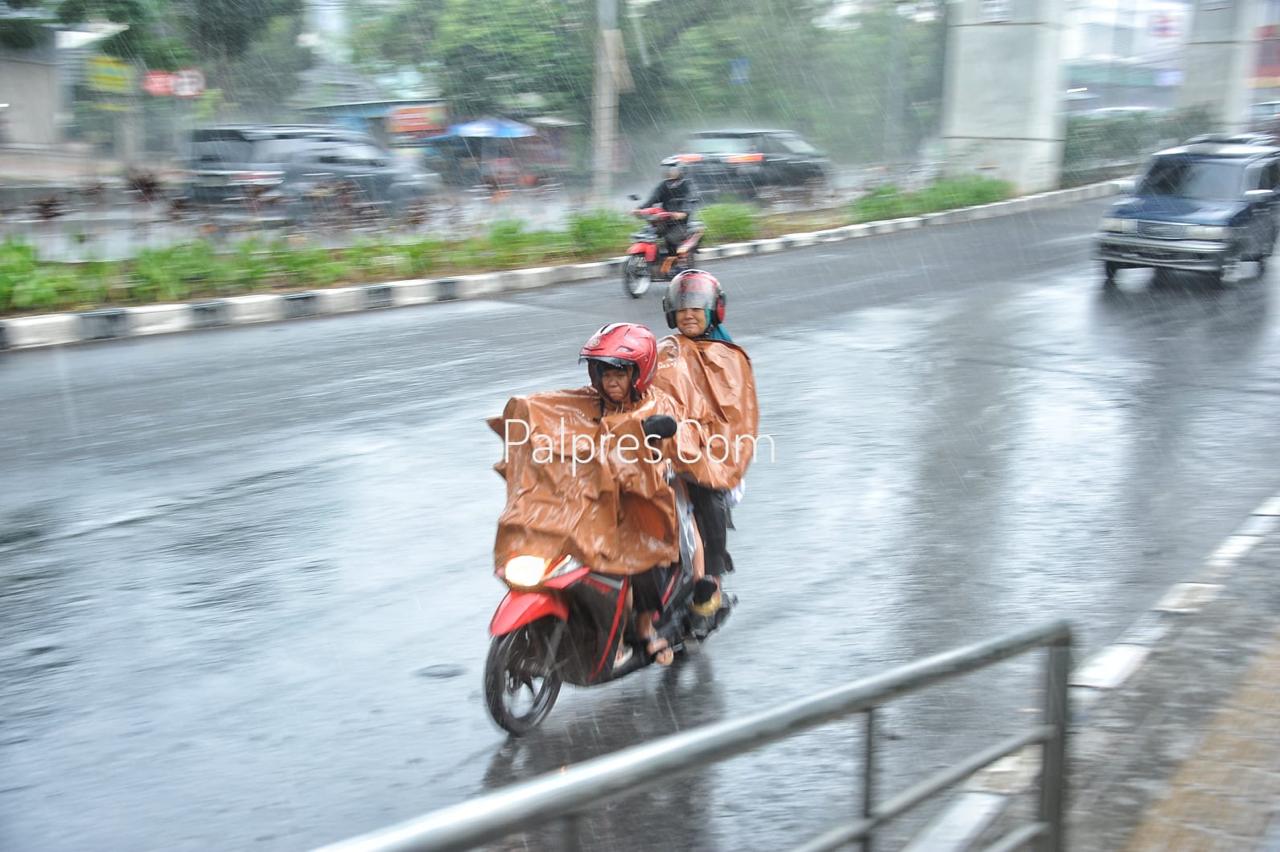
744,162
293,162
1205,206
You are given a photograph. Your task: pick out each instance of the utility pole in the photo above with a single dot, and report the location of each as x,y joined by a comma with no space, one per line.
604,124
894,88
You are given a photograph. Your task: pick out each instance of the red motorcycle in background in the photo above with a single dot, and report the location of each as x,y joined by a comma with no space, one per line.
649,259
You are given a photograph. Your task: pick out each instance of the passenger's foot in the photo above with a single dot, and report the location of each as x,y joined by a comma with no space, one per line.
660,650
623,656
706,597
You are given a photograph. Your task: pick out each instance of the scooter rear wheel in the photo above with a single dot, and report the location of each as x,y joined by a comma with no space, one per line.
520,681
635,276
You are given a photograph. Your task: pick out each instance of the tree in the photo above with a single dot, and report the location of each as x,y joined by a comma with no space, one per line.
145,40
225,28
405,36
497,49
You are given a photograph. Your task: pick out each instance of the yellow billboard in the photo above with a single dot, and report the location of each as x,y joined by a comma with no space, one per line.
110,75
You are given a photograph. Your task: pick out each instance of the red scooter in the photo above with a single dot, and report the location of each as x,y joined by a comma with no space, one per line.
649,259
561,622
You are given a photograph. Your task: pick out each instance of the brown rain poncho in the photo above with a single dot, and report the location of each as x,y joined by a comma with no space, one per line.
613,510
712,385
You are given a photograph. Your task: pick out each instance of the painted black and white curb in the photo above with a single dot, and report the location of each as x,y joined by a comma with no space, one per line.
987,793
112,323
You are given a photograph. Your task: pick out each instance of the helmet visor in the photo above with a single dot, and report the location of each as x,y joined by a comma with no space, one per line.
692,293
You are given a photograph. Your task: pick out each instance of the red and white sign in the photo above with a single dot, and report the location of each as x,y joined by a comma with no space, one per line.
1164,26
158,83
424,120
188,83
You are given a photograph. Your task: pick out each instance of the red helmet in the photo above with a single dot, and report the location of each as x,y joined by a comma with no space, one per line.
622,344
694,288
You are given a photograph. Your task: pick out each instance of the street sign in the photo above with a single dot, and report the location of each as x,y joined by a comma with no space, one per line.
188,83
158,83
1163,26
409,125
424,120
110,75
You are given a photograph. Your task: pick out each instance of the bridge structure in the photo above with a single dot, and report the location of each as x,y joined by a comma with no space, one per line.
1003,99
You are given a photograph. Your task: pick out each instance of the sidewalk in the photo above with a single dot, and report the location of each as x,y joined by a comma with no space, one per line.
1227,794
1186,756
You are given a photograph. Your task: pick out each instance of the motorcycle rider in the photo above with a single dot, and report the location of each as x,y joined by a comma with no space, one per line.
675,194
621,359
694,305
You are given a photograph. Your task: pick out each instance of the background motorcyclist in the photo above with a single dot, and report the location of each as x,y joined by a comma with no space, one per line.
675,194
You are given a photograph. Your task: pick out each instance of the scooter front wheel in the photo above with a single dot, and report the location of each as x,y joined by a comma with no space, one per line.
520,681
635,276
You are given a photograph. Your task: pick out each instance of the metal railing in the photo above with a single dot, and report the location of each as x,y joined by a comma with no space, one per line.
564,795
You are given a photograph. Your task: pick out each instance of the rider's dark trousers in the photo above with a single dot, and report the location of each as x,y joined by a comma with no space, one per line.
711,511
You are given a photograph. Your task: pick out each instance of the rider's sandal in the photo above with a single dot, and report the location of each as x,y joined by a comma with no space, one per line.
662,654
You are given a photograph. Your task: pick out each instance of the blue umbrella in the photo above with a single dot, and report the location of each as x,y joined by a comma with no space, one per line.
492,128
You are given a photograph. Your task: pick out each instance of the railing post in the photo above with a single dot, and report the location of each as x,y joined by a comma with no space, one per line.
572,834
1053,766
869,778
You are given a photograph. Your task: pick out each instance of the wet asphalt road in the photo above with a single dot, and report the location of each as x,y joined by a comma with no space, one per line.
244,574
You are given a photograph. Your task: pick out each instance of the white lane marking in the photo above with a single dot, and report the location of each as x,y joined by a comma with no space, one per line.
1235,547
1008,775
1110,667
1188,597
1258,526
959,825
1271,507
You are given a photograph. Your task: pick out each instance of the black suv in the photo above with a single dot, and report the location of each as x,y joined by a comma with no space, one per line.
743,162
291,162
1204,206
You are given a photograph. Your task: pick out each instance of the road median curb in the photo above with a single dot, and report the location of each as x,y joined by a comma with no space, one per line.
60,329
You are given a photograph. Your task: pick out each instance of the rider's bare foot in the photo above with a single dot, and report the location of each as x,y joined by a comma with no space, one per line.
660,650
623,655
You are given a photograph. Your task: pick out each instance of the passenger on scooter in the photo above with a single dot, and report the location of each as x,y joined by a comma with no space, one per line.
695,306
675,194
621,359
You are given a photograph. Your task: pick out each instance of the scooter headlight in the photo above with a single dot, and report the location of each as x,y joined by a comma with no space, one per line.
526,571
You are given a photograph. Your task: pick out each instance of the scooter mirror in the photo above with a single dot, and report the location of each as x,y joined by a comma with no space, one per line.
659,426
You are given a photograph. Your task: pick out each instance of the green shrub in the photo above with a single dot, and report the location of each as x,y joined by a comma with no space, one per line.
46,288
247,267
94,284
599,231
420,257
883,202
730,223
18,262
504,241
369,260
888,202
303,267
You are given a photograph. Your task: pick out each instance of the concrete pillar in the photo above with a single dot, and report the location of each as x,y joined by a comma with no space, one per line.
1002,111
29,86
1219,60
